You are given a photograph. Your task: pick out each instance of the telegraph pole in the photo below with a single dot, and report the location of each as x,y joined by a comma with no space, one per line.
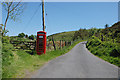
43,18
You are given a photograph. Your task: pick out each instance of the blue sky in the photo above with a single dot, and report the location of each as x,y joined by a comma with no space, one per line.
63,16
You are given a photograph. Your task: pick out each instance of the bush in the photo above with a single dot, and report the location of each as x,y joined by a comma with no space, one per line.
5,39
7,47
94,41
107,50
31,37
115,53
21,35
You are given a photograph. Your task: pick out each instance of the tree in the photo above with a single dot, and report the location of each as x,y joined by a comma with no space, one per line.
106,26
21,35
13,9
26,36
31,37
81,34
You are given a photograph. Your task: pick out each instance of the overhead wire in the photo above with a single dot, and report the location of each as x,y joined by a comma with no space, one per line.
33,15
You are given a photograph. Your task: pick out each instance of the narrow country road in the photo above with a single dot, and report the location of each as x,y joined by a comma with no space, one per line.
78,63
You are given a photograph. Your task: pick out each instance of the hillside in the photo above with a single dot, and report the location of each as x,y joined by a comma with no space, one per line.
81,34
110,33
115,27
66,36
106,44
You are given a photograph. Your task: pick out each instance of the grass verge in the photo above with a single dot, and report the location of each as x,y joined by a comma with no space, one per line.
18,64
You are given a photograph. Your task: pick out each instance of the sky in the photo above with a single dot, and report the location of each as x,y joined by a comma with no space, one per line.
62,17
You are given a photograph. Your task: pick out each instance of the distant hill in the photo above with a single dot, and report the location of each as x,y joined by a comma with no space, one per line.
81,34
66,36
115,27
109,33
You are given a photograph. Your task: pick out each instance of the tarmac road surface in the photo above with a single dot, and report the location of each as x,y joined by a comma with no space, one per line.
77,63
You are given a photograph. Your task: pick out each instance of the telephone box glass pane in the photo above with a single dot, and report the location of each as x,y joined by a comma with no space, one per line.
40,36
41,33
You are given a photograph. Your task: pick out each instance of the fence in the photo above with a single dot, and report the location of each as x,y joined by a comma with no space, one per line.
31,45
54,45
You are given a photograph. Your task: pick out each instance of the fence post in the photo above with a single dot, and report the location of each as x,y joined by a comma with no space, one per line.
102,37
65,43
60,44
35,45
53,43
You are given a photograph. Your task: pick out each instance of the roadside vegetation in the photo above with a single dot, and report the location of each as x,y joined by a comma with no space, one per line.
18,63
106,50
106,44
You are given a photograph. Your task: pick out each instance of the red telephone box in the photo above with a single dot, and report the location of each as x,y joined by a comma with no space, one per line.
41,42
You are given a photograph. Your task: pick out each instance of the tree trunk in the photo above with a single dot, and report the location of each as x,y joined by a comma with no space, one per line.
5,24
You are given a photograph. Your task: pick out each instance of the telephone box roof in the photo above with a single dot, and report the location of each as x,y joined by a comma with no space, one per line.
41,32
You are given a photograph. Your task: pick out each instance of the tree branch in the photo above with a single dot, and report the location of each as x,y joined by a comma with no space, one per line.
14,7
9,6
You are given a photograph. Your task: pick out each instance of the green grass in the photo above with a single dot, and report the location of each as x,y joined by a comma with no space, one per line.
66,36
19,63
106,50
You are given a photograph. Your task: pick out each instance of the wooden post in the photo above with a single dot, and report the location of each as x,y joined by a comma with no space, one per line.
60,44
43,15
53,43
102,38
65,43
35,45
